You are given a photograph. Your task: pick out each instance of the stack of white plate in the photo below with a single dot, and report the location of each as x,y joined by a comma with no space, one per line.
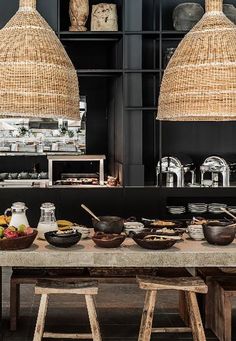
197,207
85,231
133,226
176,209
216,208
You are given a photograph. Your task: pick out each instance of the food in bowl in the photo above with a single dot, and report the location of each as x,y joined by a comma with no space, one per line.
13,232
154,241
12,238
163,223
108,240
63,239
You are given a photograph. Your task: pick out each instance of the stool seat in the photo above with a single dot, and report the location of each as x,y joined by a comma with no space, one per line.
194,284
50,287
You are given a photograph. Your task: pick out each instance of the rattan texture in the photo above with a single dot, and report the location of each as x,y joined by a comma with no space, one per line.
199,83
37,77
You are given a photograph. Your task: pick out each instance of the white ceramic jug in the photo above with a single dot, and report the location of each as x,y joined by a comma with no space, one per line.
18,214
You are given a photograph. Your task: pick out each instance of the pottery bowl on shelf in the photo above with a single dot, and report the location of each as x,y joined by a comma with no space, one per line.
108,224
154,241
219,233
18,243
63,240
108,240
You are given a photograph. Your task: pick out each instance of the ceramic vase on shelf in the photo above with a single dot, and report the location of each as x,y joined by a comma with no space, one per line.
186,15
104,17
79,12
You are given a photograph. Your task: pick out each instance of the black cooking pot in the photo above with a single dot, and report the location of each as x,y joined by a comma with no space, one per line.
219,233
108,224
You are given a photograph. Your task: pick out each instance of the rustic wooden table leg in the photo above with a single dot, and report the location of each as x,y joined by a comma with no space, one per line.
14,304
147,316
195,317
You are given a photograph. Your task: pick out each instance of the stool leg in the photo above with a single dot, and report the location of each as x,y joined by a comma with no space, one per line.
147,316
39,329
93,318
14,304
195,317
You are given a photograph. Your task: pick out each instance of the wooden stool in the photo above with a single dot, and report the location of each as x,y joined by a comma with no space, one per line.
218,308
49,287
190,286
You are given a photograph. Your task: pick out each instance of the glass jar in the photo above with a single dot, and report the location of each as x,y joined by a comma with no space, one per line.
47,220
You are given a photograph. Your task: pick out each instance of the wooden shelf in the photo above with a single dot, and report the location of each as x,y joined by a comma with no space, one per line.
90,36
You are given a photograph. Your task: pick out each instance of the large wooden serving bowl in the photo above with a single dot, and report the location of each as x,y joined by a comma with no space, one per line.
18,243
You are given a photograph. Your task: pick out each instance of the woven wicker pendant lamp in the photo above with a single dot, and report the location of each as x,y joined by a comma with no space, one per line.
37,78
199,83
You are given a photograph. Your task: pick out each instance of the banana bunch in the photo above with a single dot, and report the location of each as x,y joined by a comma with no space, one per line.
64,225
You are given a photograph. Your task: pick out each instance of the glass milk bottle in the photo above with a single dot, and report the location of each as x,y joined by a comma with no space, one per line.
47,220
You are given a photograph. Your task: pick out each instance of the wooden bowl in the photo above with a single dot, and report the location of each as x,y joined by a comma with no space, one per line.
18,243
108,240
160,244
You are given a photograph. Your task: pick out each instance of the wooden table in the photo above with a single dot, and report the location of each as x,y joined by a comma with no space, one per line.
187,253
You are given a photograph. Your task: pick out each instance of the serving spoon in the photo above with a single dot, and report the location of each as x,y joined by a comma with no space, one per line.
90,212
229,213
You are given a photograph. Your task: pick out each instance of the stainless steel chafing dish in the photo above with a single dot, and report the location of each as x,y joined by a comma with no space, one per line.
174,168
219,168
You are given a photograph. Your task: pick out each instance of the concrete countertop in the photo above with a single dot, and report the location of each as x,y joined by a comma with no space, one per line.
186,253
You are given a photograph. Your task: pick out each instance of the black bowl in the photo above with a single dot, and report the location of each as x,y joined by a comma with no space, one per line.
153,244
62,240
108,224
220,233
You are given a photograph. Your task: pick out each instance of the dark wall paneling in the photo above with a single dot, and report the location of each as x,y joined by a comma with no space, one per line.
9,8
124,202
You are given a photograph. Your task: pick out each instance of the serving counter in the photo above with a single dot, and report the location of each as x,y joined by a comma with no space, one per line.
186,253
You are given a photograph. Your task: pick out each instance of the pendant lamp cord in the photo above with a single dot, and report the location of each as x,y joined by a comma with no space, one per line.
214,5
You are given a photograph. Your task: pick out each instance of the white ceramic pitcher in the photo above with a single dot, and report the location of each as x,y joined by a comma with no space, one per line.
18,214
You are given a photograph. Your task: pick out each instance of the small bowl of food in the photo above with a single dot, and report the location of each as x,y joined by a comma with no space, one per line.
108,240
84,230
63,239
219,233
155,241
132,227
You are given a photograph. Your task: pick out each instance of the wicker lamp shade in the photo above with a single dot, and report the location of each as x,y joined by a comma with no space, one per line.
199,83
37,78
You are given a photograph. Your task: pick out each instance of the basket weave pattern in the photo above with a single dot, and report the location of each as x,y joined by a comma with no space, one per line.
199,83
37,77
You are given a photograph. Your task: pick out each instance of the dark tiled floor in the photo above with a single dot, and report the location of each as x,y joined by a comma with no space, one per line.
119,310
